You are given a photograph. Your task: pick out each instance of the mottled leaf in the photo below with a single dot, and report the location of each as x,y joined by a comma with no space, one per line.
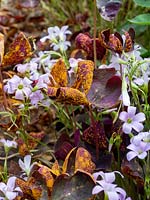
89,136
46,175
133,170
83,161
108,8
71,96
110,41
106,88
86,43
69,163
84,76
19,50
78,186
31,142
59,74
129,40
30,189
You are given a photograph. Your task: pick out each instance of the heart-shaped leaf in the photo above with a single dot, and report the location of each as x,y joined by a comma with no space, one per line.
78,186
106,88
19,50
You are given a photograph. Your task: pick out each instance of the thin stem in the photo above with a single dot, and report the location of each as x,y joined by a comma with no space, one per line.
94,34
3,93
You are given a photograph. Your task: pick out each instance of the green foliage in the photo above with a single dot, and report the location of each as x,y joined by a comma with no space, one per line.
143,19
143,3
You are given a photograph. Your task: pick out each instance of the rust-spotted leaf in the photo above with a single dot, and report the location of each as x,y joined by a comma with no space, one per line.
84,76
71,96
45,172
19,50
59,74
83,161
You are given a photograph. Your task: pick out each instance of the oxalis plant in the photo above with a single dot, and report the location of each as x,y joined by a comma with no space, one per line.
97,88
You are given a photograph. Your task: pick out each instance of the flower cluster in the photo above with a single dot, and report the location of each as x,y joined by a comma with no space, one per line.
35,75
140,143
58,36
105,184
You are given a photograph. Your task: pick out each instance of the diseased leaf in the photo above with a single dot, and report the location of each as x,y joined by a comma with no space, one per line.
133,170
69,163
30,189
78,186
31,142
84,76
1,47
19,50
46,175
106,88
59,74
89,136
71,96
110,41
129,41
83,161
86,43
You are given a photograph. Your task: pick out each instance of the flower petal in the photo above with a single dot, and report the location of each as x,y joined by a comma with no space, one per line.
130,155
97,189
113,195
123,116
140,117
11,182
137,126
127,128
131,111
142,155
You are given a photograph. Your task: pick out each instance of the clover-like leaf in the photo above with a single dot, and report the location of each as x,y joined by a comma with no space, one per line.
106,88
84,76
78,186
19,50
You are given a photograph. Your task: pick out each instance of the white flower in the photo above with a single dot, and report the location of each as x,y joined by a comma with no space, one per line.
57,36
26,166
9,143
111,191
132,120
9,190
